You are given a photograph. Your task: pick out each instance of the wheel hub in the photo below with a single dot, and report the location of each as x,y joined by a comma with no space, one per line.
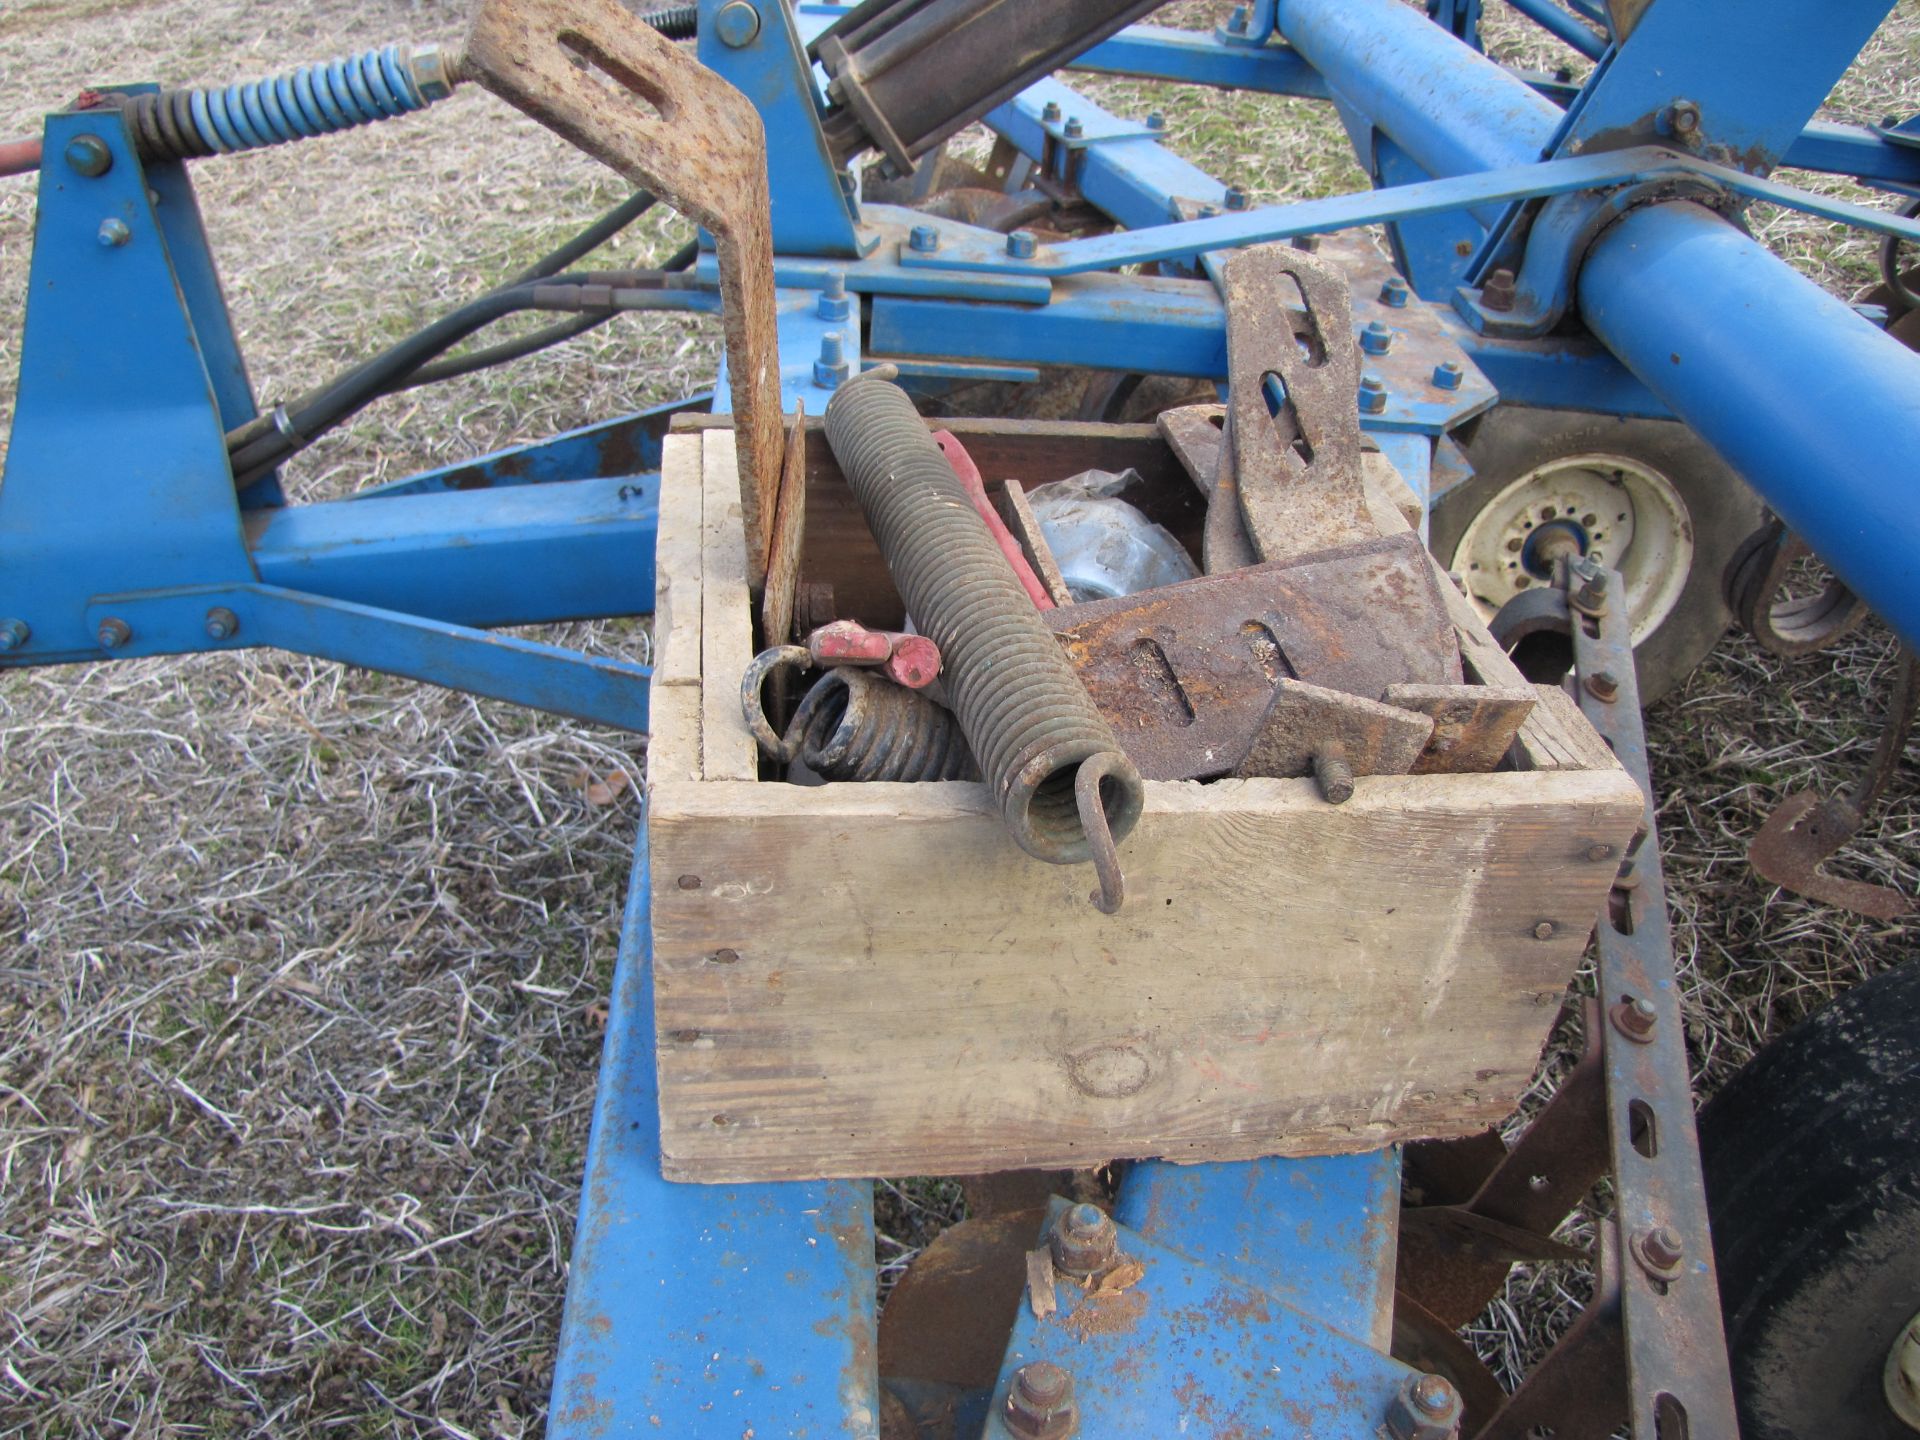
1902,1377
1620,512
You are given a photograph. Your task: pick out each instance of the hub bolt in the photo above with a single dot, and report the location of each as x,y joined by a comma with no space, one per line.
1084,1241
1040,1402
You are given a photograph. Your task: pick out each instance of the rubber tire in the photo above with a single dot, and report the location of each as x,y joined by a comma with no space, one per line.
1510,440
1812,1163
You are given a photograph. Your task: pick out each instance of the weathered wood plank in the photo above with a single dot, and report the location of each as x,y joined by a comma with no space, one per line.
727,751
872,979
676,586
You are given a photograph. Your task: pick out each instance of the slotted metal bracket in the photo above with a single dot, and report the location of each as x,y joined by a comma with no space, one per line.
604,80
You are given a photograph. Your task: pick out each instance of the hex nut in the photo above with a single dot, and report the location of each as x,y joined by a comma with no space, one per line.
222,623
1040,1402
1427,1407
1084,1241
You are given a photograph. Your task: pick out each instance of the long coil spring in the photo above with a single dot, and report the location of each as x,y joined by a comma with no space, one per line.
1065,788
311,100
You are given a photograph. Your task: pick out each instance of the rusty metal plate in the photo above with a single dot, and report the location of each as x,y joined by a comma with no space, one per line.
1185,672
1307,725
949,1317
606,81
1298,465
1473,725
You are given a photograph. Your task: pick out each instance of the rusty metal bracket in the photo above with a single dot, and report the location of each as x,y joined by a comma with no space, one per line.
1336,737
607,82
1185,672
1296,456
1809,828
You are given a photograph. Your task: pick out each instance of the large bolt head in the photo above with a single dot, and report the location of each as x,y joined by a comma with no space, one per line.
923,238
113,632
13,634
1426,1408
88,155
1040,1402
737,24
1084,1240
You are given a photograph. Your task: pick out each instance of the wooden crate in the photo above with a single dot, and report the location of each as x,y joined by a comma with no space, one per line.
871,979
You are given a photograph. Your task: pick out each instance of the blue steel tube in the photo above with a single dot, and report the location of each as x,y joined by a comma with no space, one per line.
1816,407
1449,107
1818,411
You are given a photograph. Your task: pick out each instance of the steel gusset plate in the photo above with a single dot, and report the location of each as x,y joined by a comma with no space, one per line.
653,113
1184,673
1676,1350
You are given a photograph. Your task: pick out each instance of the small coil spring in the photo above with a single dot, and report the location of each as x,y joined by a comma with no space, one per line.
312,100
857,725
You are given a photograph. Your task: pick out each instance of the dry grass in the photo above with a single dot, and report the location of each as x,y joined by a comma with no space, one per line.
298,1007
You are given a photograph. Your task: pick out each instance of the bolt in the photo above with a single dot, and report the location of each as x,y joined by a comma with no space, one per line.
1598,852
832,367
1373,394
1040,1402
1433,1394
221,623
1074,128
1376,339
1308,243
1050,113
1394,292
1447,375
833,303
1659,1252
1635,1019
114,233
1497,292
1333,775
1021,244
1206,212
1680,119
432,71
1544,929
1156,121
924,238
13,634
1603,686
1084,1241
1426,1407
89,155
737,24
1236,198
113,633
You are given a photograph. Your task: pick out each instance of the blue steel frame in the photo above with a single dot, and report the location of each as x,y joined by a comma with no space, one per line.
749,1309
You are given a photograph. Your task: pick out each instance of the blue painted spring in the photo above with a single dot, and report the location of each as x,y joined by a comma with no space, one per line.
312,100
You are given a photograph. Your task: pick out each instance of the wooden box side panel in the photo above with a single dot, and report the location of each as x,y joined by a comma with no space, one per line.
673,697
871,979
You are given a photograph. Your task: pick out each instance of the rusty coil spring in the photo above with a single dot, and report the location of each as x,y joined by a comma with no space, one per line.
857,725
1065,789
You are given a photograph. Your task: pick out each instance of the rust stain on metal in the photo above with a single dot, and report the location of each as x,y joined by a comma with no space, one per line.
653,113
1106,1313
1473,725
1306,725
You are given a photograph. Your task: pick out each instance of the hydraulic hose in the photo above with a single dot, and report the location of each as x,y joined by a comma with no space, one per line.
1065,789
